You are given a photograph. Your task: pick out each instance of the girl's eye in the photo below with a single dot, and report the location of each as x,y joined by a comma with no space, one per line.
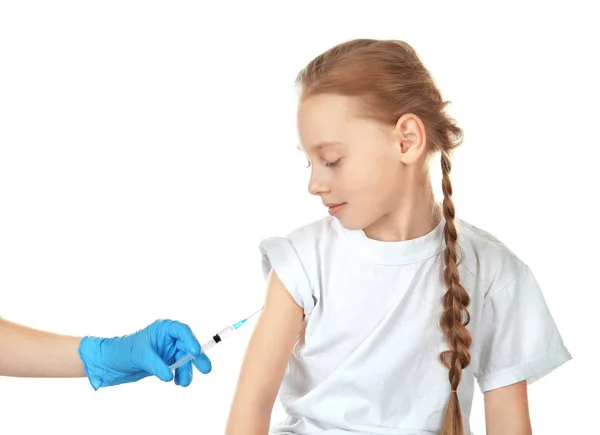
332,164
327,164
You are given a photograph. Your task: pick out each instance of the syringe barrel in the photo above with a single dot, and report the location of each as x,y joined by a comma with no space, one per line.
208,345
224,333
216,339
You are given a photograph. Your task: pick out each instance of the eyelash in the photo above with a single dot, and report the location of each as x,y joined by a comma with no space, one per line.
327,164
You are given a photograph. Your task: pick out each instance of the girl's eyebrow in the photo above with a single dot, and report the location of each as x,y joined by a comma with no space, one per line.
322,145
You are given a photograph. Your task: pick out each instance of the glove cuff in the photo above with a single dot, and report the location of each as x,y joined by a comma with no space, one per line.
88,347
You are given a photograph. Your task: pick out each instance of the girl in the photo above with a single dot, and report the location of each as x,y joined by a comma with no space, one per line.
379,318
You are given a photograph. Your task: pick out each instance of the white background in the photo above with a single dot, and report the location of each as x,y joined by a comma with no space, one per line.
146,148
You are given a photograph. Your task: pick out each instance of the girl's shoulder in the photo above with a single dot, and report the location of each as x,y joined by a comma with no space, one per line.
307,241
295,258
320,230
487,258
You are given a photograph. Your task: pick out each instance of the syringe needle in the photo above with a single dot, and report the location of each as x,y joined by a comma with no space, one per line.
254,313
216,339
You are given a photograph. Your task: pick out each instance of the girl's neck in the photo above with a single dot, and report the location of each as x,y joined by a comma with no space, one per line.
416,215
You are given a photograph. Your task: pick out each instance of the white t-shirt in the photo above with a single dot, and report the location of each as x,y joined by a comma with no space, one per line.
367,358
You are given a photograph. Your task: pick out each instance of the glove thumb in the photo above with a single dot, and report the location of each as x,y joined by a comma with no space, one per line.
203,364
155,365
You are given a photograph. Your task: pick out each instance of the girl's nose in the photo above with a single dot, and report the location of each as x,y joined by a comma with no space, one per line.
317,185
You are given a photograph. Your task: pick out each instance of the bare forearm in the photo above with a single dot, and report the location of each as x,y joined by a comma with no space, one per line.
510,429
248,419
264,364
252,405
28,352
507,410
257,387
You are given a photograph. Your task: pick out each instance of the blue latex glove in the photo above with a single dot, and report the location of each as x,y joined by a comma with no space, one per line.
114,361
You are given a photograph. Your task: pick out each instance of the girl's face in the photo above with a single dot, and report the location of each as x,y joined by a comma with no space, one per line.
355,162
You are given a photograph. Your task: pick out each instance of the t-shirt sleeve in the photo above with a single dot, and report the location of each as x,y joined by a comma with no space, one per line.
518,339
278,253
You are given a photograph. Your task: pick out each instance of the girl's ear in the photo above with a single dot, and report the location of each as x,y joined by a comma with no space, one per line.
410,135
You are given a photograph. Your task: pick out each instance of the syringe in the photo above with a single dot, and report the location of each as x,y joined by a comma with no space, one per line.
216,339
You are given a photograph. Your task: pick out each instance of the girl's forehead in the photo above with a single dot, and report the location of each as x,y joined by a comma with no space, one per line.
330,121
328,107
324,120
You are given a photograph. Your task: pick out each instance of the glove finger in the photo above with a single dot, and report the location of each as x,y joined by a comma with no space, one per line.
203,364
185,339
154,364
183,374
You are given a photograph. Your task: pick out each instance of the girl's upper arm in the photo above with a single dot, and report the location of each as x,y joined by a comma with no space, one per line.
507,410
265,361
517,343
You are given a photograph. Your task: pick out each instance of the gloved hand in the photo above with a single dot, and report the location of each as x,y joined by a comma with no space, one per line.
113,361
